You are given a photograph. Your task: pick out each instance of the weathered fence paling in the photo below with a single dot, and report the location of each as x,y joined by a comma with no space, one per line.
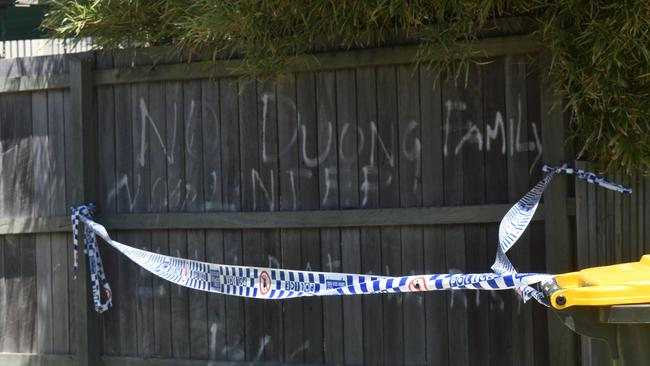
356,162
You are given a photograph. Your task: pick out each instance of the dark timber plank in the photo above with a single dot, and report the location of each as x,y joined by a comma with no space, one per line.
308,199
127,191
216,317
4,294
454,117
272,251
10,154
212,184
620,244
496,191
42,155
175,116
518,185
437,343
537,250
250,198
329,199
13,316
195,198
81,174
583,247
388,173
630,205
107,204
646,208
348,169
559,255
60,266
141,203
43,294
25,302
288,162
22,188
642,195
370,240
410,193
231,182
474,171
154,120
6,162
198,300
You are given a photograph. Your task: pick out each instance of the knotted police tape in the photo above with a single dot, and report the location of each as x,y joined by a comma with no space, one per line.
274,283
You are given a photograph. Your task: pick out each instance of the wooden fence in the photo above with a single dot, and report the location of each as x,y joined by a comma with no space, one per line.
611,228
357,161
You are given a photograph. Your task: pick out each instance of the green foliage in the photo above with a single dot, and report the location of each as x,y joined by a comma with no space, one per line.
600,49
601,54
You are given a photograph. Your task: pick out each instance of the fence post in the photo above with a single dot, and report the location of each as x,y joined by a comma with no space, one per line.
559,244
81,140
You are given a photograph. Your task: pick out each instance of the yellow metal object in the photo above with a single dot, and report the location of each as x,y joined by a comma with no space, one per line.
627,283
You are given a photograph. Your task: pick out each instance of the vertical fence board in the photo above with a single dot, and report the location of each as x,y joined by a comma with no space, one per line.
60,303
26,300
496,191
141,151
272,252
195,202
473,165
235,333
212,168
455,235
329,190
308,199
370,239
175,116
518,185
289,171
4,293
250,201
642,195
388,172
536,233
81,173
107,203
644,221
128,192
348,169
154,119
410,193
41,153
559,256
435,303
13,283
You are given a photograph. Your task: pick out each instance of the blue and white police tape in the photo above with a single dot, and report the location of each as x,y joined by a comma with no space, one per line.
273,283
95,264
589,177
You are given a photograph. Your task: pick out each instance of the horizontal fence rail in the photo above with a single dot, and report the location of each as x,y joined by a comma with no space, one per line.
330,61
445,215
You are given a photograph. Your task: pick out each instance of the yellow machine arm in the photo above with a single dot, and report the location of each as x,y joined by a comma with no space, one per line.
626,283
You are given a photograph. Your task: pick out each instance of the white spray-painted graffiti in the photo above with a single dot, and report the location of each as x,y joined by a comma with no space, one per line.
374,151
